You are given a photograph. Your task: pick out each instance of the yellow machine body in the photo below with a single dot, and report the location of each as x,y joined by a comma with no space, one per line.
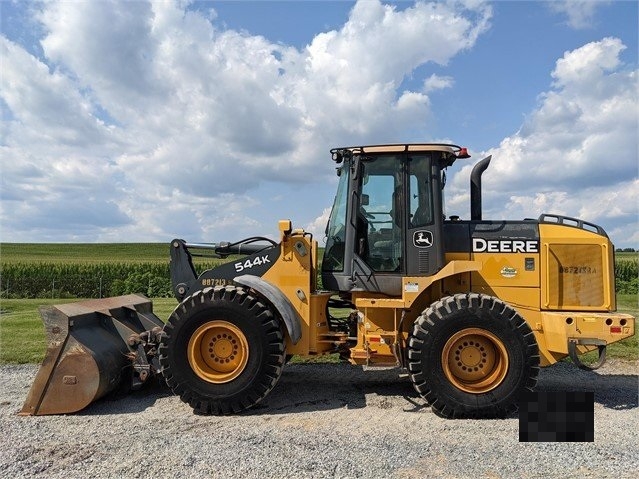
569,296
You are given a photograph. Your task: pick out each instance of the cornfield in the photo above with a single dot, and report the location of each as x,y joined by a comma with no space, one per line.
50,280
93,271
627,275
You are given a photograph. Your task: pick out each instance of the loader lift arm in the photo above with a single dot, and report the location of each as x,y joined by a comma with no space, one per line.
183,273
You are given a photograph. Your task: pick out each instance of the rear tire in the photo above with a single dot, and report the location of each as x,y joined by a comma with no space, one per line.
471,355
222,350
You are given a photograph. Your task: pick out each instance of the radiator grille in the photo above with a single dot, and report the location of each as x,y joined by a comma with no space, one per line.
575,275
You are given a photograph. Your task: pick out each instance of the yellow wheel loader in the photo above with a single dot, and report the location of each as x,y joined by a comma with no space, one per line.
471,309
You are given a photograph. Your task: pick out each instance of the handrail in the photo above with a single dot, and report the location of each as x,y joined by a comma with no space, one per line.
574,222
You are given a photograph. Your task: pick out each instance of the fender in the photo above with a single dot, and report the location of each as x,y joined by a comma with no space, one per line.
284,307
413,287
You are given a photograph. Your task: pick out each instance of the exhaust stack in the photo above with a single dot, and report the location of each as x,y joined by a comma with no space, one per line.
475,188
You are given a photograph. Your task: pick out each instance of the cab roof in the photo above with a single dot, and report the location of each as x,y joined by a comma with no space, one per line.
402,147
451,151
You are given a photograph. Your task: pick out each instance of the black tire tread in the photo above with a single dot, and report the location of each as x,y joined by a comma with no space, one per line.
270,327
480,306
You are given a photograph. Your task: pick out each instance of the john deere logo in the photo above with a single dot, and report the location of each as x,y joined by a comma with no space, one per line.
423,239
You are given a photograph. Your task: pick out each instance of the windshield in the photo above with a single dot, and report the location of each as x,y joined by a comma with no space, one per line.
336,228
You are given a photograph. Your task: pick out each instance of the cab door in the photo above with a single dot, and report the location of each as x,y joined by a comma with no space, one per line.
380,225
424,245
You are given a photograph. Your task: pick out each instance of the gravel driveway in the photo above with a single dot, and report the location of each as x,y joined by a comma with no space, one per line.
321,420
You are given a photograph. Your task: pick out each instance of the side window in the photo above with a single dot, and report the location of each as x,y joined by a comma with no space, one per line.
379,230
378,193
414,196
420,192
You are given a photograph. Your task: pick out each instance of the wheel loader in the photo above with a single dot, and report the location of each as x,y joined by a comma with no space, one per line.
470,309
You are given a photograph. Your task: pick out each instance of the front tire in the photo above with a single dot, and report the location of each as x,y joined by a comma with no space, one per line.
222,350
471,355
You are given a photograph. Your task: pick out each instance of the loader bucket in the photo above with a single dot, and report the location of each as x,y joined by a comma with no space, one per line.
89,351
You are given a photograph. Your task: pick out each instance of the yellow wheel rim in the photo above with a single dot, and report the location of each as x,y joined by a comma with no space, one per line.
218,352
475,360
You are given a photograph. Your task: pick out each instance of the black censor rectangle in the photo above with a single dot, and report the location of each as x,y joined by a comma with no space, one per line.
557,416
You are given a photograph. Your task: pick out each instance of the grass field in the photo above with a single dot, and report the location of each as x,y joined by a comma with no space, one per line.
86,253
22,337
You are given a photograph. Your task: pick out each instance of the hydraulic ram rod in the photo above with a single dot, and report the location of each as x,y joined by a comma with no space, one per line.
225,248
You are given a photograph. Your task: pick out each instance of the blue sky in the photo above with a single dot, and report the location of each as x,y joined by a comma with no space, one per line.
135,121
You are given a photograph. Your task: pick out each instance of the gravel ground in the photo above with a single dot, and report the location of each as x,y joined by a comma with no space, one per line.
321,420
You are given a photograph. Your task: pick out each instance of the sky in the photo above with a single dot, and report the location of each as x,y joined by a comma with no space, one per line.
210,121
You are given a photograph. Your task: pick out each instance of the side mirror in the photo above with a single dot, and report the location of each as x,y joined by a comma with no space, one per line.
363,200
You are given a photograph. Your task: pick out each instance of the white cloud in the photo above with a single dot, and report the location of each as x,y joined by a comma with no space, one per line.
108,46
437,82
317,227
358,69
580,13
587,66
166,123
577,153
47,106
